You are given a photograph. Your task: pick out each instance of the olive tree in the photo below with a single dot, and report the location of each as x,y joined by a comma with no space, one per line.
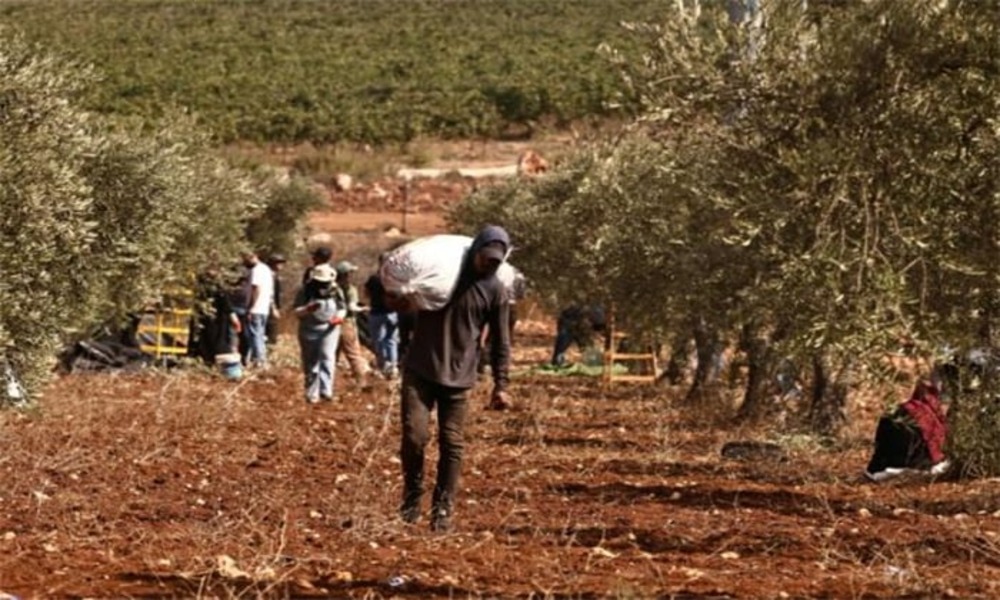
833,187
46,228
163,208
848,134
626,223
97,218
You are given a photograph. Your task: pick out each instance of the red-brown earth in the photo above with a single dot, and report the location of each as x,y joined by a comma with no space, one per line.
181,484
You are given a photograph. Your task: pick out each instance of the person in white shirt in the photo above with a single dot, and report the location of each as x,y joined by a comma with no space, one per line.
261,304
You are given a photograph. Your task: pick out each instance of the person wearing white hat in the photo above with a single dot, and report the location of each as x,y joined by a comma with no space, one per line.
321,309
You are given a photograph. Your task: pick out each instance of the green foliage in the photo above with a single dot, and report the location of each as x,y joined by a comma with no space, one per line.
550,222
296,70
45,204
830,175
973,436
285,203
97,219
163,207
621,222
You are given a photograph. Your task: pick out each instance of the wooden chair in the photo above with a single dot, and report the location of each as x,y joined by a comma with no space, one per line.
612,358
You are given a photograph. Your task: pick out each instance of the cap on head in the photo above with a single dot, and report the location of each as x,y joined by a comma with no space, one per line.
322,254
494,251
322,273
346,266
277,258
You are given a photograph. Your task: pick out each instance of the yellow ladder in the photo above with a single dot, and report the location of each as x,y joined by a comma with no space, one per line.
166,330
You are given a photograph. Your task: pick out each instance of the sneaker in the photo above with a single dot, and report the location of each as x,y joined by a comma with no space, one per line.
409,510
888,473
440,521
941,467
312,400
409,513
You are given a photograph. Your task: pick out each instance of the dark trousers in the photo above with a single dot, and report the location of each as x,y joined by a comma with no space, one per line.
570,330
420,397
271,330
898,445
243,342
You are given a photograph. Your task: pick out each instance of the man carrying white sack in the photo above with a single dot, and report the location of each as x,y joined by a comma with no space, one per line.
440,368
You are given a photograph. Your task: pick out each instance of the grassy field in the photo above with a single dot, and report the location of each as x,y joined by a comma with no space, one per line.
345,70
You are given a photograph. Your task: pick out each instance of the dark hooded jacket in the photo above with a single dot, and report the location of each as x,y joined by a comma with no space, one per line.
445,343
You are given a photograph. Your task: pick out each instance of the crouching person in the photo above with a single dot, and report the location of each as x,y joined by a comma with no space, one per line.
320,309
912,436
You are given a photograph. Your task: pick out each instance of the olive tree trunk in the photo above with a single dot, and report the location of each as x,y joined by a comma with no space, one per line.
828,407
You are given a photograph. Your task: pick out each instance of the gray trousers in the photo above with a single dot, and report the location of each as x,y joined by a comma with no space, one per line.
419,398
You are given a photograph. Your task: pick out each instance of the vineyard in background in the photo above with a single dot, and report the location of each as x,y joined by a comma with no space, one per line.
345,70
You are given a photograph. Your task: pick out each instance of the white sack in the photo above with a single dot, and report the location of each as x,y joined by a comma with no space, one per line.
426,270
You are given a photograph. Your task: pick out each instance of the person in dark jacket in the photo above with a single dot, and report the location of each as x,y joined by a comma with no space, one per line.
277,263
239,302
218,327
518,290
407,321
576,324
440,368
383,326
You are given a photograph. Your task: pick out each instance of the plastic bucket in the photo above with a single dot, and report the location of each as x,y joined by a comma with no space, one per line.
230,366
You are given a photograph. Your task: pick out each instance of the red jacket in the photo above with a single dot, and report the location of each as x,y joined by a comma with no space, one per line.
924,407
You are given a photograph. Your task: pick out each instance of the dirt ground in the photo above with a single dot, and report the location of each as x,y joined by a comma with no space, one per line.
181,484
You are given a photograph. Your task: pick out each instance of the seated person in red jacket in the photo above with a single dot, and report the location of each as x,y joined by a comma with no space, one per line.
912,436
